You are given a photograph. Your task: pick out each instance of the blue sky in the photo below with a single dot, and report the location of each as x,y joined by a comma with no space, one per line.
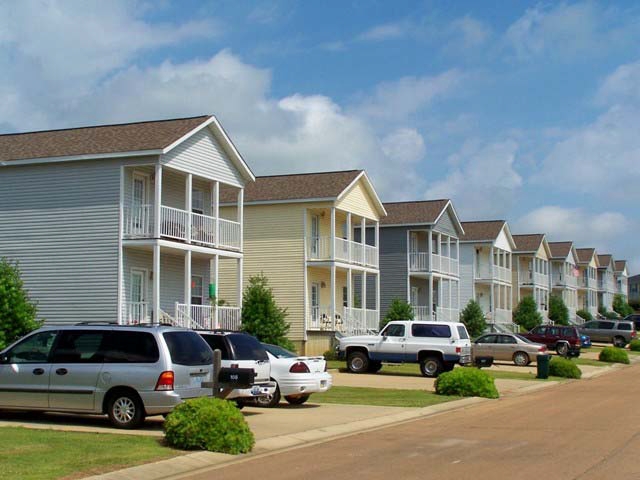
527,111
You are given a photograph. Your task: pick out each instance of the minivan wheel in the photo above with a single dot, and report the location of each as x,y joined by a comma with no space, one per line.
431,366
562,349
358,362
619,342
521,359
269,402
125,410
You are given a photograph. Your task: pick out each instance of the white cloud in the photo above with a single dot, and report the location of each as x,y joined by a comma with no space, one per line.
622,86
404,145
467,33
386,31
482,182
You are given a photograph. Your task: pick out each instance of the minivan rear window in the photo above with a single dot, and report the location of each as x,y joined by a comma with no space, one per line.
430,330
624,326
246,347
188,348
131,347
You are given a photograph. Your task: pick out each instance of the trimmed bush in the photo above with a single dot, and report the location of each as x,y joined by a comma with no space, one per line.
620,305
330,354
208,424
614,355
398,310
585,314
466,382
634,346
563,367
558,311
473,318
526,314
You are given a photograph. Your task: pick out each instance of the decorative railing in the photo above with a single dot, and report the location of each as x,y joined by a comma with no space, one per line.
564,279
419,262
527,277
485,272
319,248
134,313
359,321
420,312
137,221
203,317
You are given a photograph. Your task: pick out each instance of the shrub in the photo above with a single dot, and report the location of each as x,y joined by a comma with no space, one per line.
563,367
526,314
208,424
611,315
585,314
17,311
634,346
261,316
330,355
620,305
398,310
614,355
558,311
466,382
473,318
634,304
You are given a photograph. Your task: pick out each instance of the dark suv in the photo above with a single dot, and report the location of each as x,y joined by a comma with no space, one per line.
564,340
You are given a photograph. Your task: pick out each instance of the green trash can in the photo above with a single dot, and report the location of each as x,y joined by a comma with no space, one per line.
542,362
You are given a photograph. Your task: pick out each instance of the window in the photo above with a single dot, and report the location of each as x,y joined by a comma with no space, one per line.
196,290
197,201
246,347
568,332
279,352
430,330
624,326
593,324
506,339
79,346
217,342
393,331
34,349
540,330
188,348
605,325
130,347
345,297
462,332
487,339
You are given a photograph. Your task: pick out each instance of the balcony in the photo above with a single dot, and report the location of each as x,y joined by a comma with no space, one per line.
138,222
419,262
528,277
560,279
486,272
319,249
587,282
606,285
349,321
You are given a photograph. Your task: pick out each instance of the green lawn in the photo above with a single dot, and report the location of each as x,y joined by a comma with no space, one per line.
43,454
382,397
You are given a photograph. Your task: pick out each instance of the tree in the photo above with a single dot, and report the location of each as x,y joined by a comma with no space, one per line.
17,311
398,310
620,306
473,318
558,311
261,317
526,314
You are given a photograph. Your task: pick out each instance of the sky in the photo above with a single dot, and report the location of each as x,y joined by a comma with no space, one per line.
524,111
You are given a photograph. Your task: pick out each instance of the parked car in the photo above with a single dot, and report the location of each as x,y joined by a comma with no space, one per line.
618,332
635,318
126,372
507,346
297,376
436,346
241,350
564,340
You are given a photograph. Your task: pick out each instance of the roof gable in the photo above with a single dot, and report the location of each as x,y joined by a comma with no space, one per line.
587,255
424,212
620,266
605,261
485,231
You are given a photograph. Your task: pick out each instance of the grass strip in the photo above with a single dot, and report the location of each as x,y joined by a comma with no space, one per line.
381,397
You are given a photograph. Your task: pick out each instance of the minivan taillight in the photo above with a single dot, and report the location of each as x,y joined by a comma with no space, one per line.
299,367
165,381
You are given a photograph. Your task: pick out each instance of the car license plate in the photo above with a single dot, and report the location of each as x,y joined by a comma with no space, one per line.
196,381
256,391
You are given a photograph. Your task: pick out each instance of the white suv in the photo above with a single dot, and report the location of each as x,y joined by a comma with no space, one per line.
436,346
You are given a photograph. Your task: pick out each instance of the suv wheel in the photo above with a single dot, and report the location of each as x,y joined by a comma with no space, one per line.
297,400
431,366
521,359
271,401
374,366
358,362
562,349
125,410
619,342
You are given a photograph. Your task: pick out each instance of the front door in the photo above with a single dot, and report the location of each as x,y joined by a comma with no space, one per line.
137,310
75,368
315,304
24,372
140,213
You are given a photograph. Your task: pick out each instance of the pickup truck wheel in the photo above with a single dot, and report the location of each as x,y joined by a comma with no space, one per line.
521,359
562,349
358,362
431,366
374,366
619,342
271,401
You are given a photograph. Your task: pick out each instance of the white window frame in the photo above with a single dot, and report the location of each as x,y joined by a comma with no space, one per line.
193,287
195,193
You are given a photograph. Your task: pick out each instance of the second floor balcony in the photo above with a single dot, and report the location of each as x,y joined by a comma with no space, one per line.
493,272
420,262
562,279
328,248
529,277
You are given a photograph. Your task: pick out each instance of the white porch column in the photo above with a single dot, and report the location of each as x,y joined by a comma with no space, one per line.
156,284
213,276
458,264
378,294
241,222
349,238
430,306
492,300
430,254
188,203
364,291
333,296
377,235
363,236
349,290
187,280
239,285
157,201
493,261
215,210
450,294
332,238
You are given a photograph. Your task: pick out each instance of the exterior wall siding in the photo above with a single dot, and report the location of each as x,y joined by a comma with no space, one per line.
359,202
393,266
467,273
446,225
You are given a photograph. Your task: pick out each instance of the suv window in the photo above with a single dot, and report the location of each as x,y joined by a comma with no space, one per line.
462,332
218,342
188,348
624,326
79,346
393,331
34,349
131,347
246,347
568,332
539,330
605,325
430,330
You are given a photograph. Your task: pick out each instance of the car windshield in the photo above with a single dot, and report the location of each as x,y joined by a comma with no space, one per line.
526,340
246,347
278,352
188,348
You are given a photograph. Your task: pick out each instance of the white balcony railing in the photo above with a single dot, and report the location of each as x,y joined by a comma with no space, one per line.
420,312
527,277
202,317
485,272
419,262
134,313
587,282
564,279
359,321
174,223
319,248
320,319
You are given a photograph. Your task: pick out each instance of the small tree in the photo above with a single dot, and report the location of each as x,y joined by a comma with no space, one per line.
558,311
585,314
473,318
261,317
620,306
398,310
526,314
17,311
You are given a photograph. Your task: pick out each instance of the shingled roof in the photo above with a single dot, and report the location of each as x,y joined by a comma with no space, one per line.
528,243
604,260
408,213
486,230
620,265
96,140
585,254
560,249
